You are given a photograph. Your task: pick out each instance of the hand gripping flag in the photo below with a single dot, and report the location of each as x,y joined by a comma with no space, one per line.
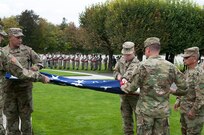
110,86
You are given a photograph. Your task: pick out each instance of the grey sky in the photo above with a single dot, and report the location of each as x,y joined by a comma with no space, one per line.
52,10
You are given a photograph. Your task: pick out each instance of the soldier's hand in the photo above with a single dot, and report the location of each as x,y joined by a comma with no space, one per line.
125,87
119,77
191,114
46,79
123,81
176,106
34,68
172,90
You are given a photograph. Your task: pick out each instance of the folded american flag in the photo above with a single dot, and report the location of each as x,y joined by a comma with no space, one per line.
110,86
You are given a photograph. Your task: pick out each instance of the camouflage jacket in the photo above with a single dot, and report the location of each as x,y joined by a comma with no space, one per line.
125,68
25,55
8,63
27,58
194,99
154,78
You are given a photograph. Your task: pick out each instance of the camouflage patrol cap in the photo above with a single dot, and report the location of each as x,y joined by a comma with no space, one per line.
193,51
2,32
17,32
151,41
128,48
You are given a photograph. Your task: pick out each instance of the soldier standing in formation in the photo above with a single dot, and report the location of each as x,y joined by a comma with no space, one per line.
154,77
128,101
94,61
73,62
105,61
68,61
51,61
18,93
192,104
91,61
60,62
99,62
82,62
77,61
55,61
86,62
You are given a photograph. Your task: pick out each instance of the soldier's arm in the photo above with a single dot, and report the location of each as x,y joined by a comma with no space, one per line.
116,71
132,85
36,62
179,79
11,65
129,72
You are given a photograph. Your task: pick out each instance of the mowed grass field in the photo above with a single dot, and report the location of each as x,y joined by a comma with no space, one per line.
66,110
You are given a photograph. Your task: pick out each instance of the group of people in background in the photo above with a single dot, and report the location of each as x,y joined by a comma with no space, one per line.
78,61
148,85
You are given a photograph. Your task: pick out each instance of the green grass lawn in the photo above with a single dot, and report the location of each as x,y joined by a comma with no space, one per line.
66,110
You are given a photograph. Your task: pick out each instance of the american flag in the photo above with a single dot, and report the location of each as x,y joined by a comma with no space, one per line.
110,86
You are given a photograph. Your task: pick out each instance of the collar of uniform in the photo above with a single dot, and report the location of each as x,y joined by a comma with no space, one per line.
154,57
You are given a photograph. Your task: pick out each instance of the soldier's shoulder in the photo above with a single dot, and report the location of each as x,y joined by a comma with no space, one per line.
3,52
5,47
122,60
25,46
135,60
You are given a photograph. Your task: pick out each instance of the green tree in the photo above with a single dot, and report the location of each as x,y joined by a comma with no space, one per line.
49,37
93,20
178,23
30,24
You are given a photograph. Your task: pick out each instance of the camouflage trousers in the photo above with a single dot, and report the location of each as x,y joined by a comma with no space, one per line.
191,126
128,106
152,126
2,129
18,105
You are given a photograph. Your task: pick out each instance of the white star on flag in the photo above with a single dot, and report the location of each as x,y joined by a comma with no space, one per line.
55,77
78,83
105,87
95,82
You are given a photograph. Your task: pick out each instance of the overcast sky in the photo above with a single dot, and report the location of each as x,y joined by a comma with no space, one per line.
51,10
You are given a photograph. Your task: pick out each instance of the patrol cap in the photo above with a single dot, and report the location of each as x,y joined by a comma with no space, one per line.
128,48
151,41
17,32
2,32
192,51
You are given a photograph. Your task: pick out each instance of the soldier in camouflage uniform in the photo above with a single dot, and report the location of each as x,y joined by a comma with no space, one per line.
128,101
86,62
2,34
11,65
18,93
82,61
105,61
77,61
154,78
192,104
73,62
99,62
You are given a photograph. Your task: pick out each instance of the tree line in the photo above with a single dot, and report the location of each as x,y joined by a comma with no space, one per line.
105,26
